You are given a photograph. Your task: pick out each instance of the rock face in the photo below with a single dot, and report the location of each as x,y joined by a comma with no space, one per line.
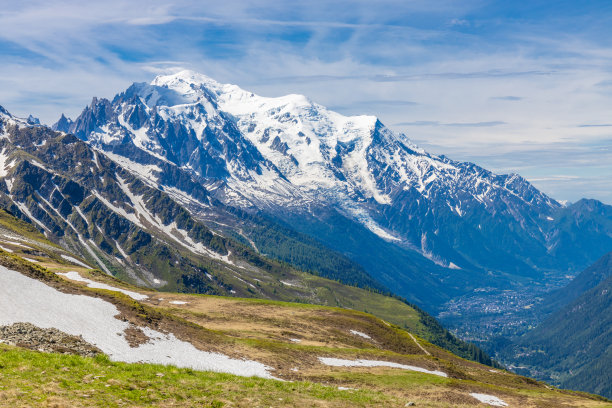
51,340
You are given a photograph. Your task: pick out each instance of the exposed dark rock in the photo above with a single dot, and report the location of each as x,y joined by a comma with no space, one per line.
51,340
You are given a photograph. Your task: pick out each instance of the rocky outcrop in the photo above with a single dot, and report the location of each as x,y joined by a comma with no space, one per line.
51,340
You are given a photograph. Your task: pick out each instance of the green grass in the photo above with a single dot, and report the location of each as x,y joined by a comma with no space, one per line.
397,380
12,223
41,379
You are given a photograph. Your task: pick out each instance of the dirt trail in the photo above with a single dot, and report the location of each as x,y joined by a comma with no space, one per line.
418,344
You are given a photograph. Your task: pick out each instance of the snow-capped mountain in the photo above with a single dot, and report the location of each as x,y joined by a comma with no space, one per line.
114,213
222,131
6,120
312,168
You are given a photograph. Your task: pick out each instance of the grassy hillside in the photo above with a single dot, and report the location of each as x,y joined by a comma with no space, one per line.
53,380
291,338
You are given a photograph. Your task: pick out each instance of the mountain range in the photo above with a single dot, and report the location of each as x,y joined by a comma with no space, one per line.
186,184
429,227
96,208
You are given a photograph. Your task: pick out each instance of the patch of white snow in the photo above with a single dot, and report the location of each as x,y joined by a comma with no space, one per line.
360,334
75,261
489,400
338,362
97,285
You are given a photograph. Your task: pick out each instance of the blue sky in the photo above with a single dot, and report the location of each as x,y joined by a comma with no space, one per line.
514,86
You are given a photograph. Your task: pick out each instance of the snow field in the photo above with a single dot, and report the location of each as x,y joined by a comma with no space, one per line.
23,299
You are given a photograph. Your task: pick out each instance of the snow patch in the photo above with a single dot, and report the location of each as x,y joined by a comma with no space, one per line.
178,302
24,209
489,400
361,334
6,241
93,254
97,285
126,257
338,362
130,216
146,172
39,165
4,164
75,261
376,229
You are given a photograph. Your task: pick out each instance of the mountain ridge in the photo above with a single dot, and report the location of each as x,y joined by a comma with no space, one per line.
300,163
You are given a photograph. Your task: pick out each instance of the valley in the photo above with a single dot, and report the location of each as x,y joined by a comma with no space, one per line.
491,313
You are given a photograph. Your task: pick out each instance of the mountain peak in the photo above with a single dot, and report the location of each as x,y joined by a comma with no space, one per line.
191,85
8,117
63,124
186,77
32,120
4,112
